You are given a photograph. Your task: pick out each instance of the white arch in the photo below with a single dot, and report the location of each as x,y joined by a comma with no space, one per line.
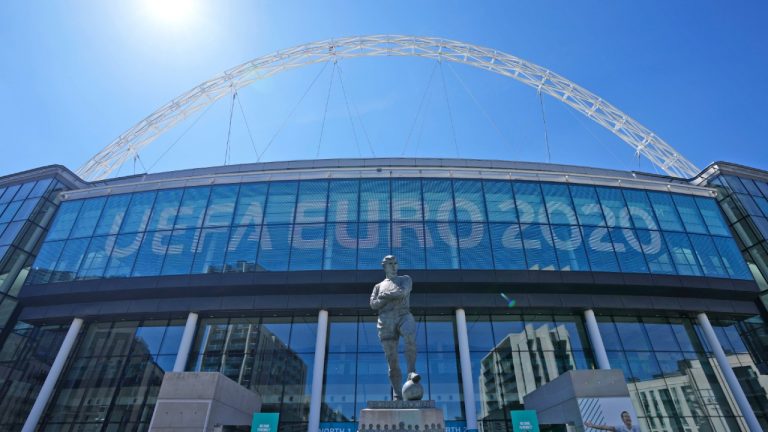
630,131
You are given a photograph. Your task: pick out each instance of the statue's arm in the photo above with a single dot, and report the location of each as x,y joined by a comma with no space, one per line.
408,285
376,302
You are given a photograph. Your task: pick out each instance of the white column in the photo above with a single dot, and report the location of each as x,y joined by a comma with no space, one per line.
598,349
317,371
186,343
730,377
466,370
53,375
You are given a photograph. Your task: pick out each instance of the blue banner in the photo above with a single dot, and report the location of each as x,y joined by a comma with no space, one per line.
265,422
524,421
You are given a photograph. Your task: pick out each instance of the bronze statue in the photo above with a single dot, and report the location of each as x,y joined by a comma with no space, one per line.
391,298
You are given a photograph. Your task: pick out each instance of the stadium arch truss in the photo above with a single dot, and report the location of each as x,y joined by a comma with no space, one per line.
640,138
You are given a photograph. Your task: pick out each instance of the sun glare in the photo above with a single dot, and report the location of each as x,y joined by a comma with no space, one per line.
172,12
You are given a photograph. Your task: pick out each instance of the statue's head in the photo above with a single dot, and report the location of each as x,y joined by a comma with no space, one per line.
389,263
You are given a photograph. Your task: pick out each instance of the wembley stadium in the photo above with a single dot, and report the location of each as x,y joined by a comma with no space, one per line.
523,273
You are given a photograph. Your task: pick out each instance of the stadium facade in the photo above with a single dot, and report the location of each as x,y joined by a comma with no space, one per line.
107,285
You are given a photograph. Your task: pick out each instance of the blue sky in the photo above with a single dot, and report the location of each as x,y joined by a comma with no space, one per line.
76,74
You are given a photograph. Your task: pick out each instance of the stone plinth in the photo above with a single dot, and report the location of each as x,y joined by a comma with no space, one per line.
401,416
198,401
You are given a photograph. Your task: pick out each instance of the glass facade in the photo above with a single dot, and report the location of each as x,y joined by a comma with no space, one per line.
270,355
351,224
744,201
113,376
25,211
25,359
673,378
513,355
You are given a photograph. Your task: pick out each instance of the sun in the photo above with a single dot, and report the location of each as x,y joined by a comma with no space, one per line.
172,12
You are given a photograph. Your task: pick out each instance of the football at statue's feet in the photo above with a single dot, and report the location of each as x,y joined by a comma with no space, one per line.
412,390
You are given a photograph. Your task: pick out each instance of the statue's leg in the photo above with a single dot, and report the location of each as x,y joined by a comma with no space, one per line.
408,331
395,375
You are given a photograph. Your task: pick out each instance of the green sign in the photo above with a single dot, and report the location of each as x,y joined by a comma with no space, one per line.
524,421
265,422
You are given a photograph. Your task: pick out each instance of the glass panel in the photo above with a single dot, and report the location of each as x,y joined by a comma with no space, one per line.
748,204
640,209
588,208
340,246
339,388
149,260
507,247
474,245
628,251
70,259
64,220
192,207
689,213
530,203
40,187
281,202
732,258
26,188
180,252
46,261
307,247
9,193
311,206
166,208
665,211
469,200
113,214
221,205
408,244
241,251
708,256
682,254
559,206
442,246
656,253
10,211
614,208
342,335
374,200
438,200
274,247
26,209
209,254
599,249
539,252
734,183
570,248
713,217
343,200
11,231
137,215
373,244
406,200
95,261
500,201
123,255
250,204
760,201
87,218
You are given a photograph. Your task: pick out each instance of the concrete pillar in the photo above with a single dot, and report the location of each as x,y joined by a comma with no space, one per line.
53,375
466,370
598,349
730,377
317,372
186,343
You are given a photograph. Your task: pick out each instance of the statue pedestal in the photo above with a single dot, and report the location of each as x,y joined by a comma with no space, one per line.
401,416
